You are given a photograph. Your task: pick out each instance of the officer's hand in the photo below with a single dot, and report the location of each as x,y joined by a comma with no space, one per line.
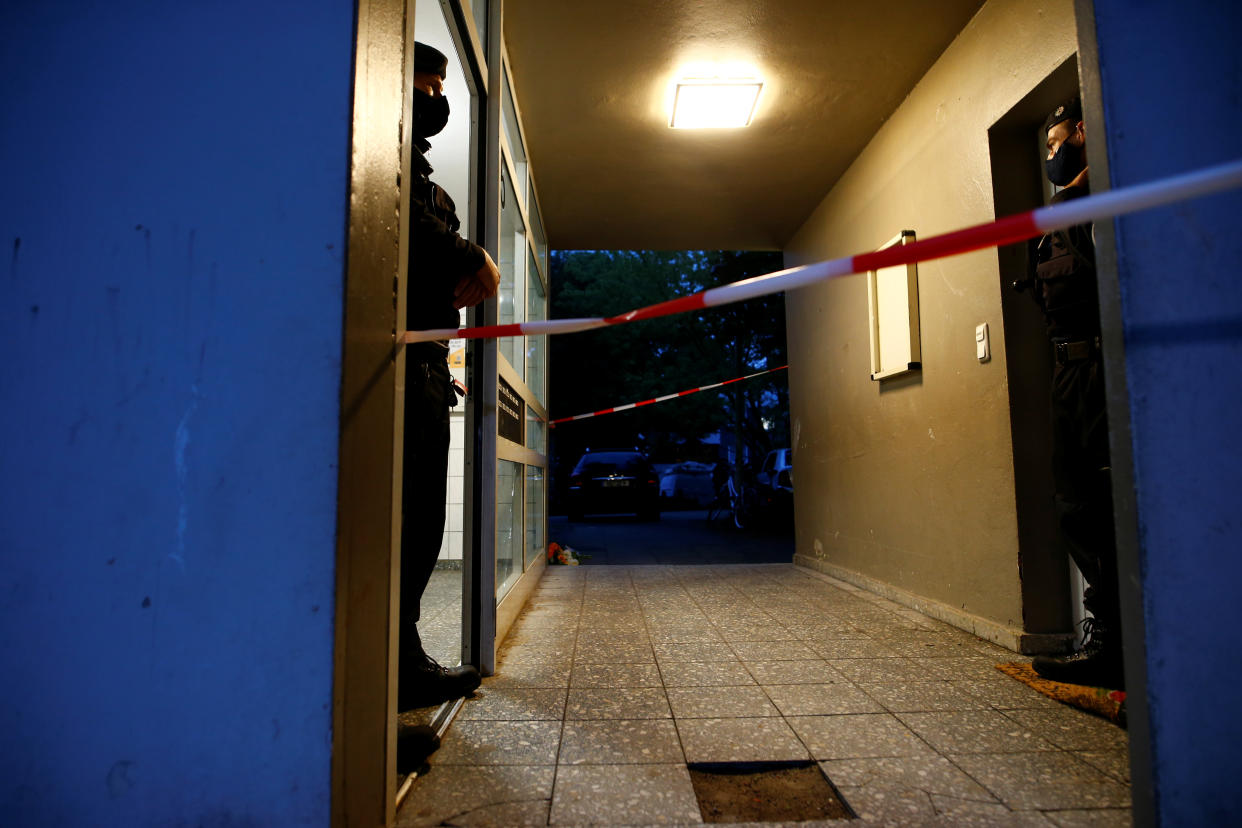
480,285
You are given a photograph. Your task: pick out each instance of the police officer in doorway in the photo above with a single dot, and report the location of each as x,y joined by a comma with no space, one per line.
446,273
1063,283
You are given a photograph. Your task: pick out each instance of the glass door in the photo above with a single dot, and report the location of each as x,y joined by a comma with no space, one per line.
521,448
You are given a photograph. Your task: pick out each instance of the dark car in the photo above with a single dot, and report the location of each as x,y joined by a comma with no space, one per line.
614,481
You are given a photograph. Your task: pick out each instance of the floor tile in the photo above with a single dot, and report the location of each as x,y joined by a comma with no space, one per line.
678,635
894,805
620,742
746,632
547,653
614,675
499,743
857,736
545,620
608,625
927,773
704,651
850,648
521,814
814,671
446,792
559,636
490,703
614,653
795,619
705,674
1071,729
639,794
1045,780
921,696
1006,695
1101,818
611,638
739,740
929,645
617,703
530,675
719,702
774,651
1115,763
838,631
963,669
820,699
973,731
878,670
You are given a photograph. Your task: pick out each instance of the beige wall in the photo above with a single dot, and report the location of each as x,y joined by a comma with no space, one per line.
911,484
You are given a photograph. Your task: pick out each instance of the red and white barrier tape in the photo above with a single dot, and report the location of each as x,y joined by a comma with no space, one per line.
666,397
1003,231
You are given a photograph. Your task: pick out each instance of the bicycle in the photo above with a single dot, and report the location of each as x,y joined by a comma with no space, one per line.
738,501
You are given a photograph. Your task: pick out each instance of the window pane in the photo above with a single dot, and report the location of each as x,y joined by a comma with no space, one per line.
536,346
450,152
536,541
537,237
479,10
512,264
513,137
536,432
509,540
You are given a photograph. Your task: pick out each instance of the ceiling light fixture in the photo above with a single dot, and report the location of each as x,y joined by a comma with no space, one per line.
714,103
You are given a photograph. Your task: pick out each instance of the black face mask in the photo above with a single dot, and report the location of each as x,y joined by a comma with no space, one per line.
1069,161
431,113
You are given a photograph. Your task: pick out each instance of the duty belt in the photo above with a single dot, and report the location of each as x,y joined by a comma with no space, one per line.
434,351
1065,351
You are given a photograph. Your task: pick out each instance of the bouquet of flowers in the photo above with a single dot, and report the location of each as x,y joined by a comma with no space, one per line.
558,554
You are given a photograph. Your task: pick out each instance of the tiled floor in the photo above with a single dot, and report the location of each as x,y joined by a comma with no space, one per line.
439,624
616,676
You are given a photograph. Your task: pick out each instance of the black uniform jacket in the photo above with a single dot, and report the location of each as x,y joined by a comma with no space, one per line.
1065,279
439,257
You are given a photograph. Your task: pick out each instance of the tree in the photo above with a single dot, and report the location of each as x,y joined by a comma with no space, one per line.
627,363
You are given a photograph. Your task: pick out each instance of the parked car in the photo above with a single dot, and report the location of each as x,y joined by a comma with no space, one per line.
614,481
687,483
777,470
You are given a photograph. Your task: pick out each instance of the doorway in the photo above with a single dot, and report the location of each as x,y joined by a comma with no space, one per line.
1052,588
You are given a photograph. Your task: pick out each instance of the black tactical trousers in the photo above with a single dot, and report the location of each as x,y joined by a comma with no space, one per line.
428,398
1084,496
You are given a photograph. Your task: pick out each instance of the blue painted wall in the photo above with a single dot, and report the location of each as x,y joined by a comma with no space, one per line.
172,229
1171,76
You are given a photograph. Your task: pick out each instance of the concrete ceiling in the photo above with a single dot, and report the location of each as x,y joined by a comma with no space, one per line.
592,80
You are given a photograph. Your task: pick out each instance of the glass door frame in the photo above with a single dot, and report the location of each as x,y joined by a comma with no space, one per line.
484,448
517,376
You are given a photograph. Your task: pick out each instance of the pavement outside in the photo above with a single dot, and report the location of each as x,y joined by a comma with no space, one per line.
676,538
616,677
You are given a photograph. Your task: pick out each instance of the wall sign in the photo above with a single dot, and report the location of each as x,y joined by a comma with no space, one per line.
510,413
893,305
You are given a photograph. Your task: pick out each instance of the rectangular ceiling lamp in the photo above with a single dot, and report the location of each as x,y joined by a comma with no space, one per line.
714,104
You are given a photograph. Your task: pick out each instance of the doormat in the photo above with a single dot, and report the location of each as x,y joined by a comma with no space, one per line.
766,792
1109,704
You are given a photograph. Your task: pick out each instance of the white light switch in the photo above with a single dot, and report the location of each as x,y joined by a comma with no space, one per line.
983,348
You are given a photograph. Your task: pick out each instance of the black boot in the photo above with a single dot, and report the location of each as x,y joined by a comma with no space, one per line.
414,744
1097,664
422,682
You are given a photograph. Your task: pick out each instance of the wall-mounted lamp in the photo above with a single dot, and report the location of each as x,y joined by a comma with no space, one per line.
714,103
